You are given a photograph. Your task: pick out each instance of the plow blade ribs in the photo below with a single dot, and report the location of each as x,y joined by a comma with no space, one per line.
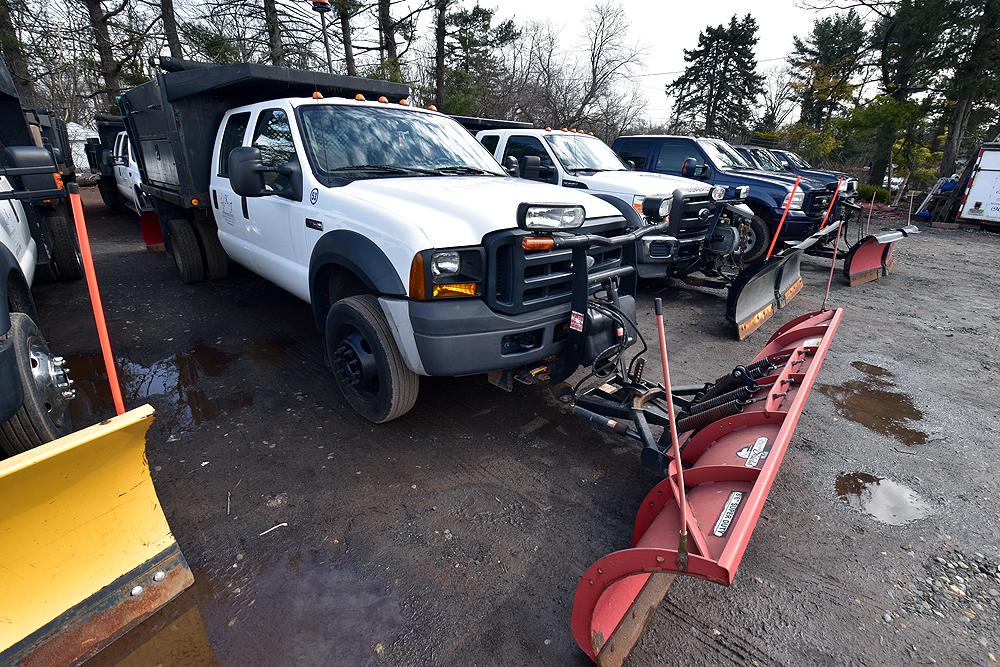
729,467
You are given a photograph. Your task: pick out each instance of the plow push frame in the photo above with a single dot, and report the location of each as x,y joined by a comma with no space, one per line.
719,448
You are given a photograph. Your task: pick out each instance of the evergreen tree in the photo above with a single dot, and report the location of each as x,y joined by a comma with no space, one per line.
823,65
717,92
472,44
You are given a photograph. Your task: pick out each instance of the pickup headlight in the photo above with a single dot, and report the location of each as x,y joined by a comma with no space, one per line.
718,192
440,274
656,209
549,217
796,200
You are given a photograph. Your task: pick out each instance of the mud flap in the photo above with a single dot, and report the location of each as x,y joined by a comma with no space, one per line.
871,257
86,547
730,465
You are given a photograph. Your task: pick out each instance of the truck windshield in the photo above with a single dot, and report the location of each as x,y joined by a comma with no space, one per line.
765,160
724,155
797,161
579,153
368,142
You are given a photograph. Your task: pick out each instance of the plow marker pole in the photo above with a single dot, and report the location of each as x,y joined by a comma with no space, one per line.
682,551
95,297
784,214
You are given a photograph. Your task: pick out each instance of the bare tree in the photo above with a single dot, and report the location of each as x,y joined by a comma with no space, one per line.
777,100
169,19
13,53
110,67
344,9
273,26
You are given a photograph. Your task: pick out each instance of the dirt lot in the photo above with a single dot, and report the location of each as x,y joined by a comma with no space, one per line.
456,534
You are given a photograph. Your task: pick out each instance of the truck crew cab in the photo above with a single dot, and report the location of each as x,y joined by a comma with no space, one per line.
718,163
574,159
401,231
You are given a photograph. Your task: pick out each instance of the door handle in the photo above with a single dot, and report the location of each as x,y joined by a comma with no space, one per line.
215,199
243,203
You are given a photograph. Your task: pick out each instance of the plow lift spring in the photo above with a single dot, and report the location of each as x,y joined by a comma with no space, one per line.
724,456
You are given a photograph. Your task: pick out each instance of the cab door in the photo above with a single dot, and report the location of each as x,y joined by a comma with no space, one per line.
231,211
521,146
269,224
122,164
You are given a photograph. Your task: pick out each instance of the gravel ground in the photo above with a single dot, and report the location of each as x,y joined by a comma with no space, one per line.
456,534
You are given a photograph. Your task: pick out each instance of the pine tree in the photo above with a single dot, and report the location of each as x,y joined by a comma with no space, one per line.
720,84
823,65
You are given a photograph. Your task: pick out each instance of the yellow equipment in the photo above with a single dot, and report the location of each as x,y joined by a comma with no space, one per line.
86,550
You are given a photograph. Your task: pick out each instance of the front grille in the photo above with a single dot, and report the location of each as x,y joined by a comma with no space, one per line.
692,226
518,282
816,202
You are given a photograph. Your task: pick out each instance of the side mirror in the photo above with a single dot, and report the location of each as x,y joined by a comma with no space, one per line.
246,172
688,167
630,164
510,166
531,167
785,165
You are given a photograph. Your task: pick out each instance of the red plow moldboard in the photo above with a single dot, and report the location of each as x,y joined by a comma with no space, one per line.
871,257
729,467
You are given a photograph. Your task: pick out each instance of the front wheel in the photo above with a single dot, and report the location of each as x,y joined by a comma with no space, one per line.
367,366
44,414
754,240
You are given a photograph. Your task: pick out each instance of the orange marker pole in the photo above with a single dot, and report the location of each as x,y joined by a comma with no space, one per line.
781,223
95,296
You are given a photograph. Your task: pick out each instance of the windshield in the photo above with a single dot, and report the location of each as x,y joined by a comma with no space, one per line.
579,153
368,142
797,161
724,155
765,160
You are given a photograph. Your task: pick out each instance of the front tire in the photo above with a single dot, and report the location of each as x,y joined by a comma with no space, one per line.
367,366
755,241
44,414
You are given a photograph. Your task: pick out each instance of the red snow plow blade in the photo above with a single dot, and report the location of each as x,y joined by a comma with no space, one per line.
871,257
729,467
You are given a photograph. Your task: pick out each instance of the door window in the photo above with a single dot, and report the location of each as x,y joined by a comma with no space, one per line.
521,147
490,141
125,151
636,150
232,137
273,137
672,156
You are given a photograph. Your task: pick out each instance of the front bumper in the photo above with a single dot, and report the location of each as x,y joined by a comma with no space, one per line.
465,337
798,224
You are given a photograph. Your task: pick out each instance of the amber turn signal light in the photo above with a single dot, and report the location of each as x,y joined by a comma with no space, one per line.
537,243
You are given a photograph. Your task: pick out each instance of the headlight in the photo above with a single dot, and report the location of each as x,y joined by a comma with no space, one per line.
549,217
656,209
718,192
445,264
796,200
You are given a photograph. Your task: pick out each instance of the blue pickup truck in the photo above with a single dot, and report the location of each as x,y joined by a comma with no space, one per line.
793,163
718,163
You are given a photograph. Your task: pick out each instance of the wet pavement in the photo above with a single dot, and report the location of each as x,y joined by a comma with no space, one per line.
456,534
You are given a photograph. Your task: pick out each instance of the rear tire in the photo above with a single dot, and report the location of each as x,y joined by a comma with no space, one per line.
186,251
110,197
758,240
44,414
66,258
367,366
216,259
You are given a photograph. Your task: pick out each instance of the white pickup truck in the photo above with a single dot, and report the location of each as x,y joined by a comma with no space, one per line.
578,160
397,226
127,179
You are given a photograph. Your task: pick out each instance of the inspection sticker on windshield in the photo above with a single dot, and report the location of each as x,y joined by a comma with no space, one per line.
576,321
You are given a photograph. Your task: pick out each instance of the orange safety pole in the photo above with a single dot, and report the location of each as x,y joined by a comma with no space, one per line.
833,200
95,296
682,546
781,223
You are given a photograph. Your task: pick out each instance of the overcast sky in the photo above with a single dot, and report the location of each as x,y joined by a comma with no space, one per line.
666,27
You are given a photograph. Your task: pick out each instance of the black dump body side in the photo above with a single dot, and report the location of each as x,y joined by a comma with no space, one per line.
172,120
474,125
13,128
55,137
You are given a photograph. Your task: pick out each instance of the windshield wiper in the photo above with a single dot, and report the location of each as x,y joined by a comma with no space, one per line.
380,168
461,169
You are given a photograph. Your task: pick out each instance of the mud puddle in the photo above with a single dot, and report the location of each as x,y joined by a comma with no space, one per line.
874,402
299,609
883,499
175,378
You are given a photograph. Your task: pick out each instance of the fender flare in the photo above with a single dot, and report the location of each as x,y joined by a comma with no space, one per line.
358,254
11,392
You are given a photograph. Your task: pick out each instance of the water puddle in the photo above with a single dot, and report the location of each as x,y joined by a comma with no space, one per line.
883,499
176,378
874,402
299,609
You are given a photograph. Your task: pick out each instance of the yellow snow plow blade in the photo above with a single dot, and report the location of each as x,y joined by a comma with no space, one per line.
86,550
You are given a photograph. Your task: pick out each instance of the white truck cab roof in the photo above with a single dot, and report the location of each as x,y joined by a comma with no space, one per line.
579,160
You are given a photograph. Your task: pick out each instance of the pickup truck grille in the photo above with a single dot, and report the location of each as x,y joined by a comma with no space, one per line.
816,202
519,282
